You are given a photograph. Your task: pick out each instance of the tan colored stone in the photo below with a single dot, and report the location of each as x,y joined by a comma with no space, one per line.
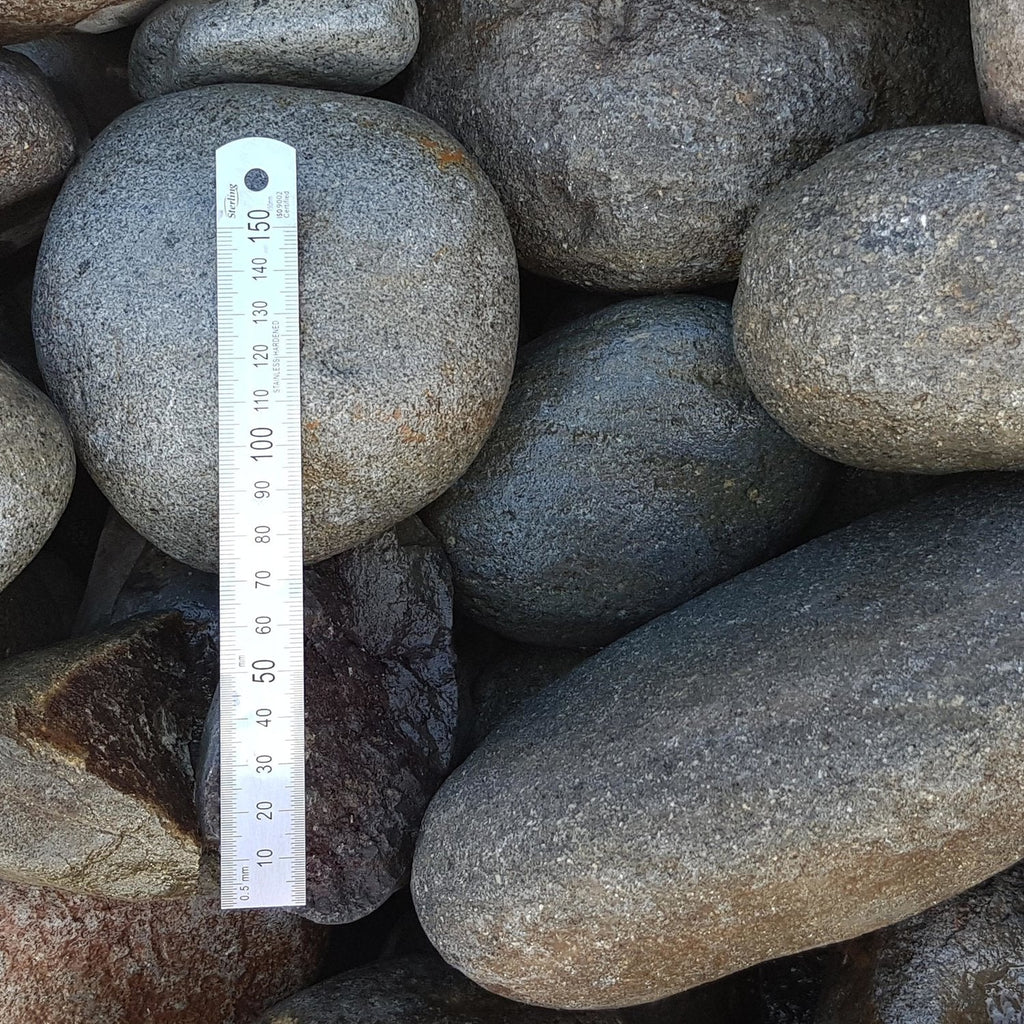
32,19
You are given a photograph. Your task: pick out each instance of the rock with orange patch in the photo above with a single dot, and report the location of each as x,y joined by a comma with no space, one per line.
408,290
33,19
71,959
96,775
818,748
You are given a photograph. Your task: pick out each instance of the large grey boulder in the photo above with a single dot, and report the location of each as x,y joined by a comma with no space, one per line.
355,46
407,289
998,31
631,468
37,471
816,749
632,142
880,311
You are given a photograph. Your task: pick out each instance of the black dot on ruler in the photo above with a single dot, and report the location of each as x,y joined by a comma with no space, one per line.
256,180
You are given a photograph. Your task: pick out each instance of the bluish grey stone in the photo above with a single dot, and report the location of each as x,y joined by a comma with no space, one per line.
631,469
818,748
408,290
355,46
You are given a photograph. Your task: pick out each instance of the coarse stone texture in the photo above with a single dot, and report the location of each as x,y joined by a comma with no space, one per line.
819,748
880,310
958,963
407,289
97,779
632,142
630,469
37,608
355,46
33,19
37,471
382,711
998,30
71,959
37,148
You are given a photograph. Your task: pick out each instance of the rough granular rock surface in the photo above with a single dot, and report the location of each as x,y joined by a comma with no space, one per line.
97,779
631,468
957,963
998,30
823,746
632,142
382,707
71,959
37,471
33,19
880,311
408,291
355,46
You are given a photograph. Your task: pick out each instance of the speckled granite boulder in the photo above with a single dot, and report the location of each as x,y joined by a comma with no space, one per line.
33,19
355,46
998,30
631,469
816,749
78,960
37,148
958,963
408,291
632,142
880,311
37,471
104,724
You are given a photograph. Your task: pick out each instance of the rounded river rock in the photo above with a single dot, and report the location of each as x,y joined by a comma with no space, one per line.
880,311
408,291
631,469
823,746
998,29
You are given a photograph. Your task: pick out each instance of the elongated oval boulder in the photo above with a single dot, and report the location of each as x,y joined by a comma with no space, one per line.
408,292
37,471
631,468
880,310
819,748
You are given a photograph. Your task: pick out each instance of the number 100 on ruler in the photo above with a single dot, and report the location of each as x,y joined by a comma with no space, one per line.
263,842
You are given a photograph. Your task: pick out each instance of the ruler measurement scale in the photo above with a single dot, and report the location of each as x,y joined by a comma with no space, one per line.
262,788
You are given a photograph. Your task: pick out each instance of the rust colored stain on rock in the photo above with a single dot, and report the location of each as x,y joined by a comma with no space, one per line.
444,156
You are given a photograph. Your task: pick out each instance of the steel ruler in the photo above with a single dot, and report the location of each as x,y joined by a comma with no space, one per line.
262,787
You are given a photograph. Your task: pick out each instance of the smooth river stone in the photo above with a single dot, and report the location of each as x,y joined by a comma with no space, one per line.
382,710
631,142
959,963
998,30
408,289
70,959
823,746
355,46
33,19
631,469
37,471
104,723
880,310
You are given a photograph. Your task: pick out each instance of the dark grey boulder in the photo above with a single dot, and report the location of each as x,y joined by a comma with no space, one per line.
819,748
631,143
631,468
958,963
998,31
408,296
880,311
355,46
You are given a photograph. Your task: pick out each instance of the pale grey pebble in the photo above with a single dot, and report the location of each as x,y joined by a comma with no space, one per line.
632,142
37,471
816,749
997,27
408,293
631,468
880,309
356,46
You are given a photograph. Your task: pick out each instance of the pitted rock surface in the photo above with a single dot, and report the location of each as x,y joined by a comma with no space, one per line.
998,31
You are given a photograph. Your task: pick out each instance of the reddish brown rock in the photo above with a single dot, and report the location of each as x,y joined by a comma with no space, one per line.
32,19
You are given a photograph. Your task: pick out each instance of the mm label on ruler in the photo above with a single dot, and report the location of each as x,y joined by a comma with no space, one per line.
262,778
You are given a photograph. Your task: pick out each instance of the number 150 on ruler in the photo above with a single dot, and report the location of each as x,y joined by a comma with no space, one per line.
263,840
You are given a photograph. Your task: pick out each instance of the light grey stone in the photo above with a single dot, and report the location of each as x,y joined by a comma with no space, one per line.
355,46
997,27
632,142
37,471
631,468
880,311
407,289
821,747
